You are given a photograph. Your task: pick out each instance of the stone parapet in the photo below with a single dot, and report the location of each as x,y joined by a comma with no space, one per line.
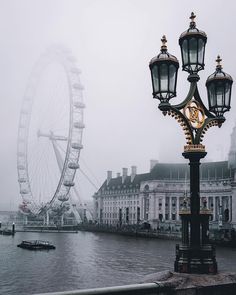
195,284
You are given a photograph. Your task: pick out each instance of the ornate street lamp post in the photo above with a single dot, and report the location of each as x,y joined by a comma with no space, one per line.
195,254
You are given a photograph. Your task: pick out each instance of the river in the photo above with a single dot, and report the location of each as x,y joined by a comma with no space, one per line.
86,260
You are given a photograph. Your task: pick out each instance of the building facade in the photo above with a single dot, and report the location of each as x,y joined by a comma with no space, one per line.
156,197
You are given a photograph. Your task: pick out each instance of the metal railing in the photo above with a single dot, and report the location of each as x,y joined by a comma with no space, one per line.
135,289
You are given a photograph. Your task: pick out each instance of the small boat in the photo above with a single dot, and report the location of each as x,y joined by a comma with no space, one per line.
36,245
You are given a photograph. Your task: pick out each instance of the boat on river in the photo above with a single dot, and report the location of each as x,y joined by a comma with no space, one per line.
36,245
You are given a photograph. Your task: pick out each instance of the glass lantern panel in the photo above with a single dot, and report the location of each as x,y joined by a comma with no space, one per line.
172,75
193,51
227,94
164,78
211,96
155,78
185,52
200,51
220,94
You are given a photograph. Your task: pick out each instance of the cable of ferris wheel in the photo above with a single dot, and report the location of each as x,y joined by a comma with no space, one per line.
89,170
86,176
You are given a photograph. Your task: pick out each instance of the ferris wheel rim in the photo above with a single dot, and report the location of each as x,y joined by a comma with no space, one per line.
63,57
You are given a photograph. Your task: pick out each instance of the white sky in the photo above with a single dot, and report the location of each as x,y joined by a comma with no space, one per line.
113,41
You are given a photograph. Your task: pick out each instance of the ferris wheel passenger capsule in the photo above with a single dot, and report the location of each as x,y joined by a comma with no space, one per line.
77,146
68,183
22,180
78,86
75,71
73,165
21,167
79,105
24,191
79,125
63,198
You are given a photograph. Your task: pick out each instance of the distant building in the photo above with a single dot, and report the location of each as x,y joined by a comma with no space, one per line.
157,196
7,217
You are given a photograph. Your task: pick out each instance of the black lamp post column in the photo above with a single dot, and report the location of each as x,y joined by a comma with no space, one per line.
194,162
195,255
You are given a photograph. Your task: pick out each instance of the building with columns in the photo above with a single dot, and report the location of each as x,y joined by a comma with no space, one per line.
156,197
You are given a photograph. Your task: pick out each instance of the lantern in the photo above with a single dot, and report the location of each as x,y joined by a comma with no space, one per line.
192,43
219,86
164,69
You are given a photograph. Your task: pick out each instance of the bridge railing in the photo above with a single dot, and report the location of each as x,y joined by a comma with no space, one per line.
135,289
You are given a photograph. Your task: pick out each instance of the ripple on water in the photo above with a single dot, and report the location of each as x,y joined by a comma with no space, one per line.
86,260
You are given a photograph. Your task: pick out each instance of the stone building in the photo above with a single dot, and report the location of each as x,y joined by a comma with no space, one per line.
156,197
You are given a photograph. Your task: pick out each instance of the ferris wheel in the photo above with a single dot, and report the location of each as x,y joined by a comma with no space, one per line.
50,131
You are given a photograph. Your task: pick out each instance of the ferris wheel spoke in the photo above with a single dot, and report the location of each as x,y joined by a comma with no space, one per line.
53,103
90,171
35,168
62,115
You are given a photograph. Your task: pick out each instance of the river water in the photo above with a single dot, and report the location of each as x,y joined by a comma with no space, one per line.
86,260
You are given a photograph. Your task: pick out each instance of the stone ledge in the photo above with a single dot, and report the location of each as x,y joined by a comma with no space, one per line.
192,284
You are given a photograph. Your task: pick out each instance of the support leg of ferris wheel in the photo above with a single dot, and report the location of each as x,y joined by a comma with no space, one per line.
62,219
53,139
47,217
25,219
76,213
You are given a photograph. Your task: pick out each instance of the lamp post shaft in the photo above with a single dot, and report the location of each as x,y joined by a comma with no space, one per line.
195,255
194,163
194,203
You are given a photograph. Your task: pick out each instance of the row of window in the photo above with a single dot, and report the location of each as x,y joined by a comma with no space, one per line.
114,199
112,192
116,215
111,209
107,203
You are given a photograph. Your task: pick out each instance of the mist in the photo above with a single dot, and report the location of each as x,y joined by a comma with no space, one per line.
113,42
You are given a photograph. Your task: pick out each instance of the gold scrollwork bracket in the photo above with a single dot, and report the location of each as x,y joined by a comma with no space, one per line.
179,117
211,123
194,118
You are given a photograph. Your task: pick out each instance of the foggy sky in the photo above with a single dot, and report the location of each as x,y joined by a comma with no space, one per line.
113,41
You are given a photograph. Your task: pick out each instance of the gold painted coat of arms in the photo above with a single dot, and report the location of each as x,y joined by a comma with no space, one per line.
195,114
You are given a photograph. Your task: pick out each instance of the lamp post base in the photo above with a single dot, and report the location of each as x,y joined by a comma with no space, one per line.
199,260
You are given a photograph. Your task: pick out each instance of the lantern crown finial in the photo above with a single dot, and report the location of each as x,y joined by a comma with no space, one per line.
163,46
218,60
192,23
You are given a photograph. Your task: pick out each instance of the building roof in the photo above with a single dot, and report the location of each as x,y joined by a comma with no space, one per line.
170,171
208,171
